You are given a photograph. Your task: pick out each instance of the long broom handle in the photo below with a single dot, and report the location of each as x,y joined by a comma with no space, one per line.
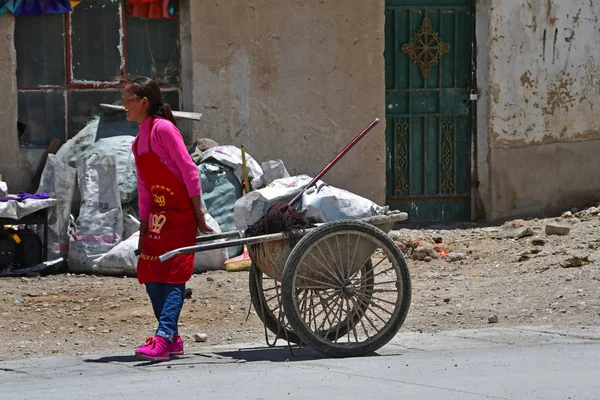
335,160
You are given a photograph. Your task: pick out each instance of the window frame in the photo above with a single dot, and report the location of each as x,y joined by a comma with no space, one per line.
74,85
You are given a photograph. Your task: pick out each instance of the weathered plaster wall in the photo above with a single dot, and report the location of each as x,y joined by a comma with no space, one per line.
544,84
296,80
14,165
482,200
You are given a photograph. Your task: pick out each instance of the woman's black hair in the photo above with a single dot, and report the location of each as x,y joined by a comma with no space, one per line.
146,87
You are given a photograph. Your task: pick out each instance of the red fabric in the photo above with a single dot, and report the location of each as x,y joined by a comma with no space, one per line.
156,9
172,223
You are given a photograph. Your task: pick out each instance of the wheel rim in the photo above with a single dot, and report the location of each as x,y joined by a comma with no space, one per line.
348,289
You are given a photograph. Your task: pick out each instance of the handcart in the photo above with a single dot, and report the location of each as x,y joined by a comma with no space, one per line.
342,287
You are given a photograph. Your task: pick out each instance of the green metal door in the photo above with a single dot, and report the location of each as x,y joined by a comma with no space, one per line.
428,58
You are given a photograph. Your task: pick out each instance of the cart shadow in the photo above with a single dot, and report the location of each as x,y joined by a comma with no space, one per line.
272,354
124,360
277,354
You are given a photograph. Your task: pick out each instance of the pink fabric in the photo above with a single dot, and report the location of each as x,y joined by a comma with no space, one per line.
168,145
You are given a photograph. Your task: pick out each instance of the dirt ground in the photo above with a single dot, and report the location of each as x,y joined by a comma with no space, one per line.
535,280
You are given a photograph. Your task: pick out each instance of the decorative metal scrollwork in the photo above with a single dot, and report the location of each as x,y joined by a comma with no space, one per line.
402,132
426,48
447,155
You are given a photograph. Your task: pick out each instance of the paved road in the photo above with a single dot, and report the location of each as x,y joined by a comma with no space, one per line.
524,363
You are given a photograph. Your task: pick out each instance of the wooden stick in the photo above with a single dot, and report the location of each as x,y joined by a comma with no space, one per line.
245,169
177,114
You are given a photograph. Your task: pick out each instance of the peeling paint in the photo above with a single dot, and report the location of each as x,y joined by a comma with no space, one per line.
545,83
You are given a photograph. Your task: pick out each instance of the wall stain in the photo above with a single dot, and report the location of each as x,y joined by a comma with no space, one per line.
549,17
576,17
526,80
559,94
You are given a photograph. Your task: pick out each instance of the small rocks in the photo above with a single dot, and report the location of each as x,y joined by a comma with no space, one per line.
394,235
493,319
401,246
424,250
576,262
200,337
538,242
567,214
210,279
552,229
441,248
188,293
447,300
455,256
514,233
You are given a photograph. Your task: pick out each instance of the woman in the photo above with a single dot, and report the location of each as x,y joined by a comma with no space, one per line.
170,212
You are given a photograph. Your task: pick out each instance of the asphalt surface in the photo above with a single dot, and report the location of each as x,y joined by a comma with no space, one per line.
496,363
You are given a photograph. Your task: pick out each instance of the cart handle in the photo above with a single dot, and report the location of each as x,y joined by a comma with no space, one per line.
228,243
216,236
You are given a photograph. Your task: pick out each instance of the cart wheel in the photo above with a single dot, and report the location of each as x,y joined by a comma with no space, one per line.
265,293
346,289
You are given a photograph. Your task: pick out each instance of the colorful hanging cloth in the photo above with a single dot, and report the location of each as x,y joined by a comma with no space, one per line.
75,3
8,5
155,9
37,7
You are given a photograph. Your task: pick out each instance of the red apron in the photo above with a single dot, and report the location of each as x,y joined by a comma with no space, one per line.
171,223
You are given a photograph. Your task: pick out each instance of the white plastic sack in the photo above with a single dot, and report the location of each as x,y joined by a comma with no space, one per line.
58,180
213,259
120,148
19,209
3,189
69,152
325,203
254,205
131,225
232,157
100,224
121,259
272,170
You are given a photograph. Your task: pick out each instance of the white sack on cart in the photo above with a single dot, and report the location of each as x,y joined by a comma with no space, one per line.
254,205
324,203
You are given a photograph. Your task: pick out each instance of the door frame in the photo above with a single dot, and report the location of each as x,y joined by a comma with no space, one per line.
476,163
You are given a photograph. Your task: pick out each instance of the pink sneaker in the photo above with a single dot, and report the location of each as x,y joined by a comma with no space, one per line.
155,349
146,344
176,348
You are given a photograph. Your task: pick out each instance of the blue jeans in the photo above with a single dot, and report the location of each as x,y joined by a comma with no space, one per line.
167,302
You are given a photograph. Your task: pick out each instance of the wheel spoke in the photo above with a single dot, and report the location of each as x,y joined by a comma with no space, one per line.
375,275
328,285
325,268
342,276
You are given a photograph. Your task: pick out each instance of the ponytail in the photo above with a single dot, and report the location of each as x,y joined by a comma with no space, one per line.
164,111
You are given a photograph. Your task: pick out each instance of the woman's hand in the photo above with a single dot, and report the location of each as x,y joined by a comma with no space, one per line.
201,224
